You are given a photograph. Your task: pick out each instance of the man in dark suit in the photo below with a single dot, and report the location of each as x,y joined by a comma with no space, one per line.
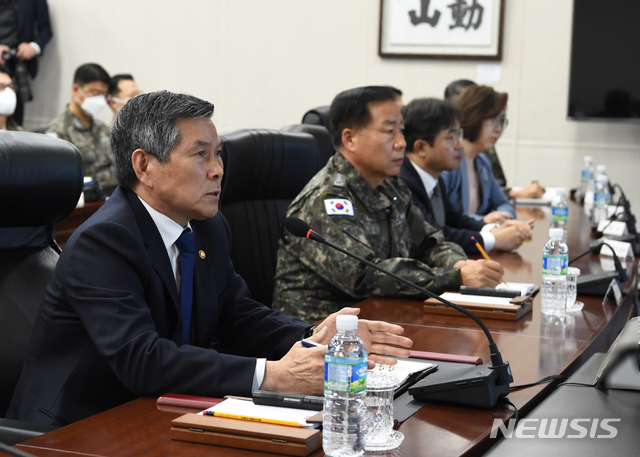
433,136
116,321
32,32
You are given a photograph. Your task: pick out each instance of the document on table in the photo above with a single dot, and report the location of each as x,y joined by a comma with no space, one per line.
524,287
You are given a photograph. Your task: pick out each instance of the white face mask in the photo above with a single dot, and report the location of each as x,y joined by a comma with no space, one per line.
8,102
93,105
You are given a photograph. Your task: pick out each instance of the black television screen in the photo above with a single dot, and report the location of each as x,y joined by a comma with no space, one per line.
604,81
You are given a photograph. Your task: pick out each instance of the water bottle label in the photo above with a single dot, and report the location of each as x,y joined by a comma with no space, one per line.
586,175
559,214
601,199
555,265
345,375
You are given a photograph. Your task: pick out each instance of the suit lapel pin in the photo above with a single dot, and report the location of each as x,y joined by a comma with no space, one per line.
202,254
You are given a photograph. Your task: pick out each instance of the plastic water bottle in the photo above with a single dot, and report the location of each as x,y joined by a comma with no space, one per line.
555,261
586,176
601,197
345,387
560,212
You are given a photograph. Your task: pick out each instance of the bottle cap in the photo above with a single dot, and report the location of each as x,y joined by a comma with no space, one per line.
347,322
601,168
588,159
556,233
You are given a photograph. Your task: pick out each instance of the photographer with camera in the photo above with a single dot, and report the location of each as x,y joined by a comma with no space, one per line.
25,29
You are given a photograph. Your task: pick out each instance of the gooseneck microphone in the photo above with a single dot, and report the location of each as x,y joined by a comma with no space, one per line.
623,276
501,372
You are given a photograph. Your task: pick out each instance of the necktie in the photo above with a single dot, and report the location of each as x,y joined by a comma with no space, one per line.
187,258
438,206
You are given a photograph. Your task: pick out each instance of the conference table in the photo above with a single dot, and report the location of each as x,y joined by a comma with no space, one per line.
536,346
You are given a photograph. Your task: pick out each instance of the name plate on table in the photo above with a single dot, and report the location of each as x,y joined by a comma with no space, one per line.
622,249
613,228
482,306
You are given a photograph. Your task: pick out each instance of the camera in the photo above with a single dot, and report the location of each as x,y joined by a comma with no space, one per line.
10,56
20,73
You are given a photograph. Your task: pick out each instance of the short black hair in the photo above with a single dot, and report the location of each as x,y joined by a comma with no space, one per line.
425,118
90,72
113,83
456,87
350,108
148,122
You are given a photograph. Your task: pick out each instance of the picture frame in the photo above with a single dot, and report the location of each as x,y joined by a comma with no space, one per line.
441,29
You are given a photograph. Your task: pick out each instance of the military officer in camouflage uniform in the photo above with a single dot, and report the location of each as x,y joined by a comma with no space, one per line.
357,201
78,125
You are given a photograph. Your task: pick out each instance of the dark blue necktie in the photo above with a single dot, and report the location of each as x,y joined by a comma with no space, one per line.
187,258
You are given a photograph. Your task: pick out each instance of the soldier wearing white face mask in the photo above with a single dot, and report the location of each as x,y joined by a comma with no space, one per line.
8,101
77,124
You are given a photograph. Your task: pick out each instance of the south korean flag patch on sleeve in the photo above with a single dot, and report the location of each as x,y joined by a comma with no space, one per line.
339,207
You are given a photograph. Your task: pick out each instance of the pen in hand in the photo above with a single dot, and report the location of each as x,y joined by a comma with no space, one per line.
483,252
311,344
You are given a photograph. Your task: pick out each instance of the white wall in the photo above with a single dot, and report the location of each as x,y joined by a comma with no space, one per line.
264,63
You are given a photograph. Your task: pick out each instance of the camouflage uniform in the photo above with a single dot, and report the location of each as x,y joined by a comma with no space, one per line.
93,142
313,280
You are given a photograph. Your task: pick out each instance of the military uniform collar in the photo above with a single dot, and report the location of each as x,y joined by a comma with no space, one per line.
374,199
77,122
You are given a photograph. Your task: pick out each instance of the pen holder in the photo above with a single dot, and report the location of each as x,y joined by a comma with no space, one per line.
379,433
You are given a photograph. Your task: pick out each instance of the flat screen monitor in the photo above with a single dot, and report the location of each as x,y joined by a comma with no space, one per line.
605,61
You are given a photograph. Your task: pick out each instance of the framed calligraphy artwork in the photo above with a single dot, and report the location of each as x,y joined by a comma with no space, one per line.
441,29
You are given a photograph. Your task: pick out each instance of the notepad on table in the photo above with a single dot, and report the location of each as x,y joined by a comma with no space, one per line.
233,408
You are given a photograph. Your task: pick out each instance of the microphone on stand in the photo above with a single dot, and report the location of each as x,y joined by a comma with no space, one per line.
598,283
479,386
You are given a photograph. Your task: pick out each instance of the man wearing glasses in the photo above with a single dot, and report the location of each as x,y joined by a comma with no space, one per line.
434,138
78,125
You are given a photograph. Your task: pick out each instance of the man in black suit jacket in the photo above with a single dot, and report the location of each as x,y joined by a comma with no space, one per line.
33,32
433,136
110,326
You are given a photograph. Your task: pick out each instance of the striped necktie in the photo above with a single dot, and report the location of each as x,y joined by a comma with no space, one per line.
438,206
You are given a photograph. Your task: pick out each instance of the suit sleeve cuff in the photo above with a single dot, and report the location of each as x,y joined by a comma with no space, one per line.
258,374
35,46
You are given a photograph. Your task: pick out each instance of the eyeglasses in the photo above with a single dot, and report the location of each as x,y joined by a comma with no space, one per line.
10,86
499,121
92,92
456,137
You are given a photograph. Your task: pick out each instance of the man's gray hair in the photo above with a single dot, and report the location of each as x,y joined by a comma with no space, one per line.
148,122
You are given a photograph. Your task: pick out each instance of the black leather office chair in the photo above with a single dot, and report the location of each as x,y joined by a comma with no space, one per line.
322,136
317,116
40,183
264,170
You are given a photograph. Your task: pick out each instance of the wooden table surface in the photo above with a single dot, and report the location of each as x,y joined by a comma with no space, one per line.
536,346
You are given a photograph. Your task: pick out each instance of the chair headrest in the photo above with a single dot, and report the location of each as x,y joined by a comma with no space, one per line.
40,179
267,164
322,136
318,116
